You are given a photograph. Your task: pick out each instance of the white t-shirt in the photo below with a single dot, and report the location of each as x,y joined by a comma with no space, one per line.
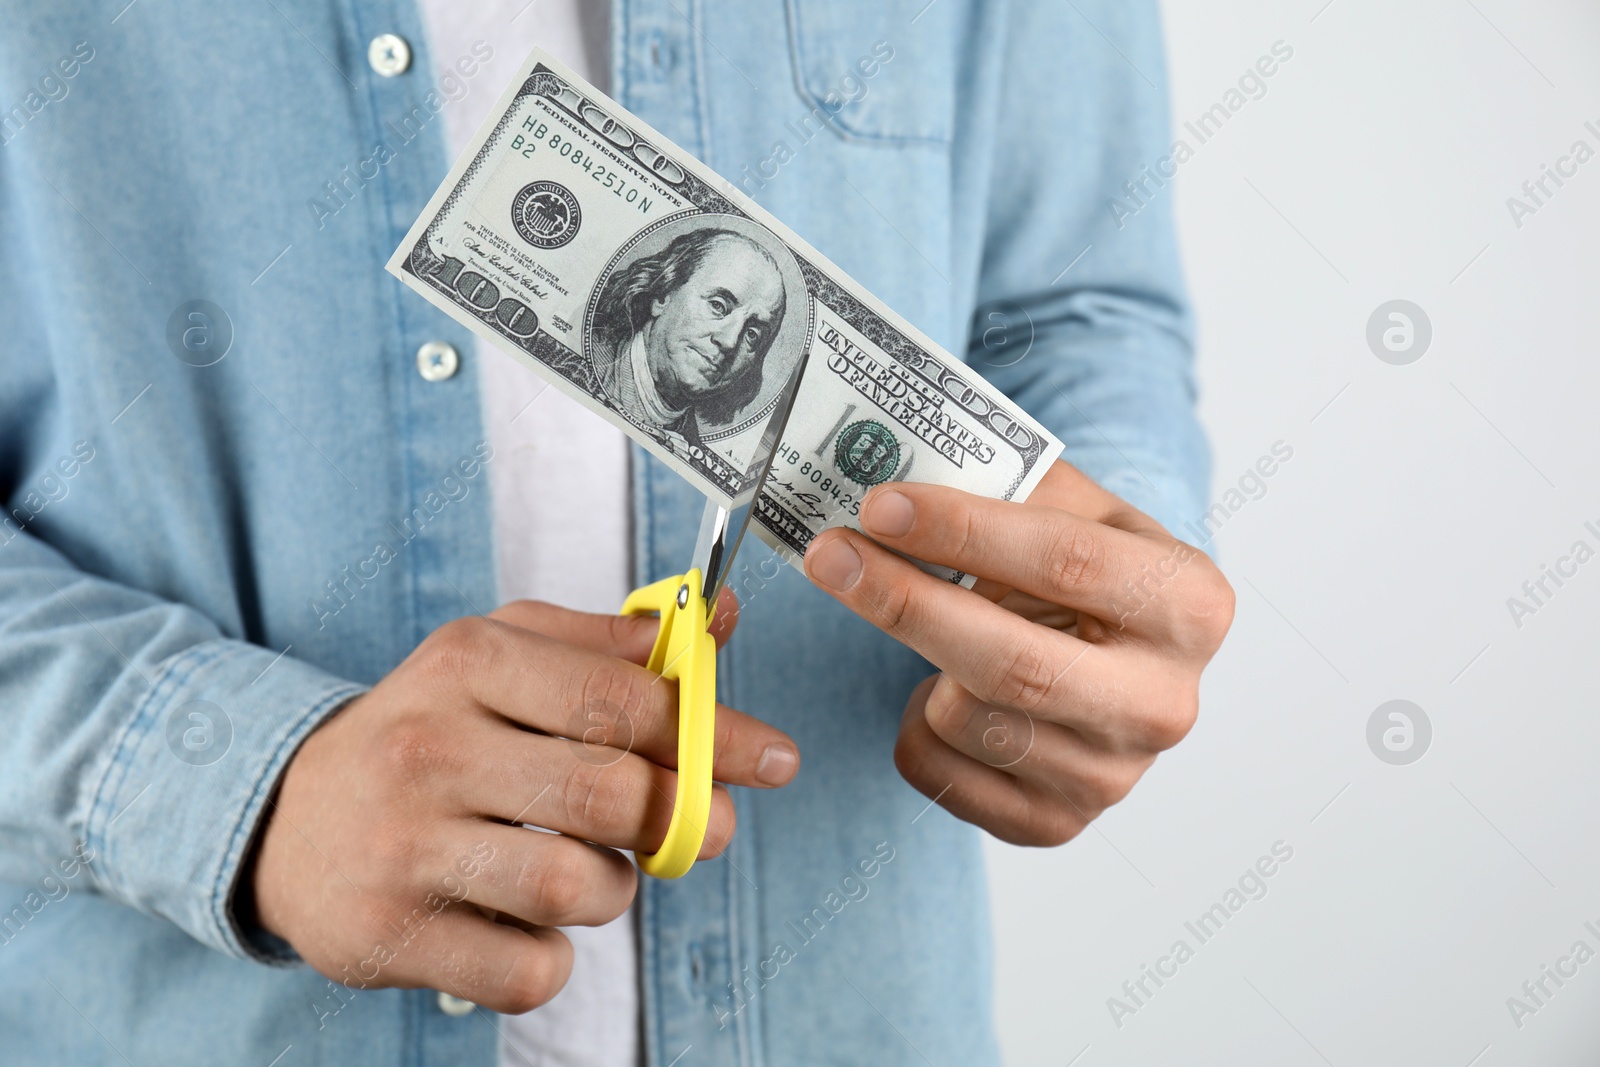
561,493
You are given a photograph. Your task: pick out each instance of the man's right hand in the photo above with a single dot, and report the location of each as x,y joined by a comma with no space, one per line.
393,854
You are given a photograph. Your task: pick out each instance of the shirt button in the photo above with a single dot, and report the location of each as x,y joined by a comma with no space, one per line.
389,54
437,361
455,1005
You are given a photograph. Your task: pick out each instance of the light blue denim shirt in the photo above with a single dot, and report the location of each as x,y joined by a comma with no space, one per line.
183,540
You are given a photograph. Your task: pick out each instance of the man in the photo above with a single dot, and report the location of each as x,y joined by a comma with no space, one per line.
681,337
267,740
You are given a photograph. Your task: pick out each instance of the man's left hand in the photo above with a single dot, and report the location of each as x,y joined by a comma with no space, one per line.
1068,667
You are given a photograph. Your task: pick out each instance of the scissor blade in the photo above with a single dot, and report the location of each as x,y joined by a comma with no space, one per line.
710,550
722,529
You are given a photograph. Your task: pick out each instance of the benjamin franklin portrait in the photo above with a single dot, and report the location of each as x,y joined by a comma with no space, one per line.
689,336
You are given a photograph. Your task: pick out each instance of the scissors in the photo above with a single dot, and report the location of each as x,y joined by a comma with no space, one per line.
686,652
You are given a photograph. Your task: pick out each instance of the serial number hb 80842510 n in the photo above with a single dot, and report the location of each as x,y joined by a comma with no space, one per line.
540,135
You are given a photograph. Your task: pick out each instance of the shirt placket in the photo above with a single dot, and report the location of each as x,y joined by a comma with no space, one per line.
688,943
440,535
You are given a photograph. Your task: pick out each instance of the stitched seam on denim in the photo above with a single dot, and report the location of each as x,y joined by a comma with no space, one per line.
396,290
246,824
414,1011
735,952
697,78
621,32
171,680
647,481
650,959
750,831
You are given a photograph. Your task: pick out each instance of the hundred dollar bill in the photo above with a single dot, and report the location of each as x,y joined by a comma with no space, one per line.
631,276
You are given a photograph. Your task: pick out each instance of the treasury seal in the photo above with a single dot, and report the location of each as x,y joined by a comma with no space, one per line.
546,214
867,453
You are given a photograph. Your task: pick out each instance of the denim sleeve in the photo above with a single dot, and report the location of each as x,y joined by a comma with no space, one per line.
136,732
1082,316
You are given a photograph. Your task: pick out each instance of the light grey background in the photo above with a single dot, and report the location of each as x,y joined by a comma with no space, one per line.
1377,566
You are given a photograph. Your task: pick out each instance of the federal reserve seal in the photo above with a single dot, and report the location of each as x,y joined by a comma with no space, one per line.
546,214
867,453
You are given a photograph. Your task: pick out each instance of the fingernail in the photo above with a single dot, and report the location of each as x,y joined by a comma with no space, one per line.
778,764
836,564
889,514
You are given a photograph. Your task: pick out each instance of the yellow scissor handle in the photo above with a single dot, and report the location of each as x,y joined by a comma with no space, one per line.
685,651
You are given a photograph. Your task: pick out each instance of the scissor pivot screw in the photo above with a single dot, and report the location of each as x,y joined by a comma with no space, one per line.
683,595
